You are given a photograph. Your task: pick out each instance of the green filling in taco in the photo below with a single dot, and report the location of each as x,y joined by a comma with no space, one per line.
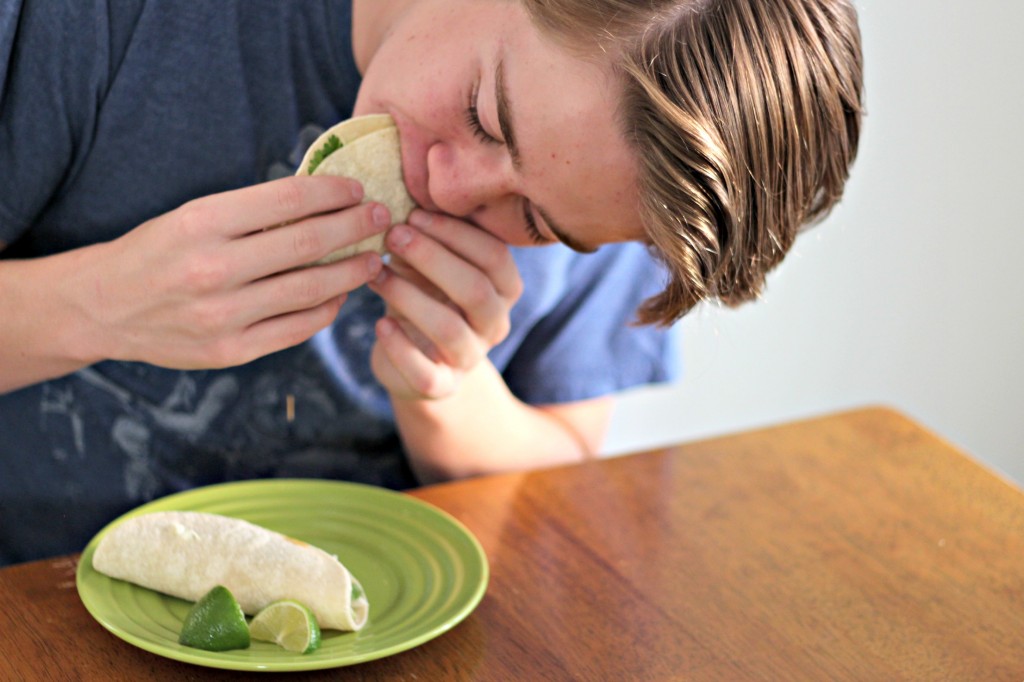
332,145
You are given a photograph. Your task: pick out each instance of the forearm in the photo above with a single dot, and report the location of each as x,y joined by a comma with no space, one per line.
483,428
44,333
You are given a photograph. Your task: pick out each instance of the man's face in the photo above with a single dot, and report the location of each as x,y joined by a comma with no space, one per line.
463,79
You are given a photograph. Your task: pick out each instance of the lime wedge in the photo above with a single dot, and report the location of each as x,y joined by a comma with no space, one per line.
215,623
289,624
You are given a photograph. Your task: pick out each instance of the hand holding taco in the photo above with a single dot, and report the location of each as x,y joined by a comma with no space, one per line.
365,148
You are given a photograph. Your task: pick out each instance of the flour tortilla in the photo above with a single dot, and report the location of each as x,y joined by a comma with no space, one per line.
186,554
371,154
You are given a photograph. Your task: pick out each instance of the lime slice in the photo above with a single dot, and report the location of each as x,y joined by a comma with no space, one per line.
215,623
289,624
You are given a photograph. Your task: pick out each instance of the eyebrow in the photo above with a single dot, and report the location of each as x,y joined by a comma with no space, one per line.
508,134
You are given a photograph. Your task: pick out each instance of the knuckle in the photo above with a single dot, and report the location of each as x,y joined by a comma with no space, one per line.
450,331
195,219
208,318
497,257
429,386
307,242
290,196
466,362
479,294
308,290
205,273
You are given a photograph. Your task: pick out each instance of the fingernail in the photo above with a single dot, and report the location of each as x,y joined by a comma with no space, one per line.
385,327
381,216
420,218
381,275
374,267
357,191
399,237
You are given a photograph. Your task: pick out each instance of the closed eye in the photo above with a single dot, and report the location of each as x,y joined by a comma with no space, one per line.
473,120
532,231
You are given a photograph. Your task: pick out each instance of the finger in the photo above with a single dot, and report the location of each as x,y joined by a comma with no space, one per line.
285,331
306,241
423,377
303,289
267,336
455,343
474,245
469,288
242,211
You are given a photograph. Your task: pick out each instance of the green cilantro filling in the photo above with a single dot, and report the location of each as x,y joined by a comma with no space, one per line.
332,145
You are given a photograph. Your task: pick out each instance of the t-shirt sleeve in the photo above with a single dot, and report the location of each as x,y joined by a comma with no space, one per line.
574,333
54,60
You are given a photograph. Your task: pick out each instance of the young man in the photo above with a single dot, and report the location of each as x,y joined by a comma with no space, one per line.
156,337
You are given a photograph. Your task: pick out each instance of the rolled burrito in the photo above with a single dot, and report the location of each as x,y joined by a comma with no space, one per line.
186,554
365,148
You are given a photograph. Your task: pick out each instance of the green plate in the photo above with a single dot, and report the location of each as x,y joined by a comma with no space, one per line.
422,570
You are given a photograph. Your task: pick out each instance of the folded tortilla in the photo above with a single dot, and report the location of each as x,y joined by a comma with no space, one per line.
186,554
367,149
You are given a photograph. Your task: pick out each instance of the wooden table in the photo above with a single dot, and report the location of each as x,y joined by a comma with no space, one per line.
851,547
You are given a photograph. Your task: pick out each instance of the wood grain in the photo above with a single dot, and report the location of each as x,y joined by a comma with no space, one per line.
856,546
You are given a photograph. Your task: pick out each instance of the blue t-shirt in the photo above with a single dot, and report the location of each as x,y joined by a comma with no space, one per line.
113,113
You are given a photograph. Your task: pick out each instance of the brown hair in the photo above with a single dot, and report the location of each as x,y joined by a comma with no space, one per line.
745,116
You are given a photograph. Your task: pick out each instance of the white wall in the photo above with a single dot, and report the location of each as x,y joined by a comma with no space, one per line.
911,294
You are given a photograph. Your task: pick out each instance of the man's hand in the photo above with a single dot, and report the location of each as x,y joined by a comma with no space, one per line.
449,289
208,285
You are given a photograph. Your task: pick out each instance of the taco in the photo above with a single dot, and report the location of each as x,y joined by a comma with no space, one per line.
367,149
186,554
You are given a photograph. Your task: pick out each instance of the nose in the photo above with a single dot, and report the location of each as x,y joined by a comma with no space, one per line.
467,180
